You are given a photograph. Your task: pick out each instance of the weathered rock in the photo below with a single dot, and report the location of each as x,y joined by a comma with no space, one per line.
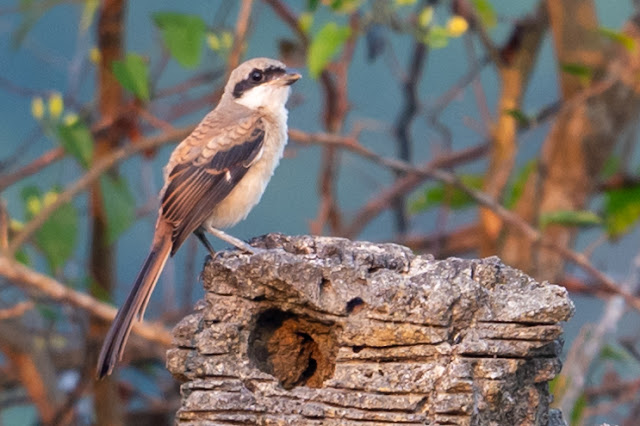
325,331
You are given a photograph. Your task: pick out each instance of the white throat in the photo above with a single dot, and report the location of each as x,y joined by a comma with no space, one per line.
267,96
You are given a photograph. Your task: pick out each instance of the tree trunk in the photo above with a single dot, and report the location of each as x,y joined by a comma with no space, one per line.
593,119
109,408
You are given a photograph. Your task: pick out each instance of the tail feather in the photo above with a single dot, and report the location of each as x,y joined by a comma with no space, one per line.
135,305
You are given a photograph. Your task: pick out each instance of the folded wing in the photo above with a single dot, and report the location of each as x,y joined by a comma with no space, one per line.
197,185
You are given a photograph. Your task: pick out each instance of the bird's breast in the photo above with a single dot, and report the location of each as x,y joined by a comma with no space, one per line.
247,193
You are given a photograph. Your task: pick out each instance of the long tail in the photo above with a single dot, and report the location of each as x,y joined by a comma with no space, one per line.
136,302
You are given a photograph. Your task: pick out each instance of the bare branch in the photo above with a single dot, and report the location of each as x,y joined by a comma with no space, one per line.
35,282
283,11
87,179
509,217
16,310
242,24
35,166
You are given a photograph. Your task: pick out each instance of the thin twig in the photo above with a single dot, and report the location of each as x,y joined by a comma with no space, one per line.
35,166
403,125
242,25
16,310
336,106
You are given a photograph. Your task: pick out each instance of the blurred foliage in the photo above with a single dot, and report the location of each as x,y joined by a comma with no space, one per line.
133,74
622,210
446,195
325,44
183,35
77,140
56,239
119,205
582,218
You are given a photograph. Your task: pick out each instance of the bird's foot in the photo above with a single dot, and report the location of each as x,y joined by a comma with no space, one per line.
234,241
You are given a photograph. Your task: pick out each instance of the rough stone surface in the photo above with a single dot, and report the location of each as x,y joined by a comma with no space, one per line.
326,331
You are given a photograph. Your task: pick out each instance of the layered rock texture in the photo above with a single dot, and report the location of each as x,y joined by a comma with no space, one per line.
326,331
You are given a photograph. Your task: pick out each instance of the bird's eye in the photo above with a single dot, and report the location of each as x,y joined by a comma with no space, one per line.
256,76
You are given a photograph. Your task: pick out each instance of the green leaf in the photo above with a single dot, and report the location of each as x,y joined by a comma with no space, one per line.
119,206
324,46
22,257
614,353
486,13
553,385
133,75
578,410
583,72
581,218
523,119
345,6
579,70
519,183
183,35
312,5
624,40
47,312
622,210
57,237
611,167
454,198
77,140
437,37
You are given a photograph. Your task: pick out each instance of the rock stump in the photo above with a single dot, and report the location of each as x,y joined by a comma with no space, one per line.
326,331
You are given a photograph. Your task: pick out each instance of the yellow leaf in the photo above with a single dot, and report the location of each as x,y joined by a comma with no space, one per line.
213,42
425,17
405,2
15,225
34,205
70,119
457,26
56,105
50,198
37,108
227,40
305,21
88,12
94,55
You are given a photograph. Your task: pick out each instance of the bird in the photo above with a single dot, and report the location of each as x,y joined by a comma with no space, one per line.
213,179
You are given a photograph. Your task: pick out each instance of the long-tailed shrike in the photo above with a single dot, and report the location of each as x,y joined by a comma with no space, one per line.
213,179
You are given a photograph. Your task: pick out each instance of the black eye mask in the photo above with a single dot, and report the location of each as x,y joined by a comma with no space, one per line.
257,77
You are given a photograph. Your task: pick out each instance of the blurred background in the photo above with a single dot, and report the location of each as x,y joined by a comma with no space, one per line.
456,127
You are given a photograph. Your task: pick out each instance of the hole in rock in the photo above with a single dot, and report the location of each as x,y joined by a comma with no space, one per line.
296,350
354,305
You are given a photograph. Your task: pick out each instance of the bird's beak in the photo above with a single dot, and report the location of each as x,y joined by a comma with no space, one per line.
289,78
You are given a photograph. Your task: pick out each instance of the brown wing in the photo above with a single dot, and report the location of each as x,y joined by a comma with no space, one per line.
196,186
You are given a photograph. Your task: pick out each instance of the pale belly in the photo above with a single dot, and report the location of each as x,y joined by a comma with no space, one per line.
247,193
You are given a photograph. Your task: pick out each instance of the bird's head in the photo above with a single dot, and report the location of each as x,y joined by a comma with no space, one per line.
260,83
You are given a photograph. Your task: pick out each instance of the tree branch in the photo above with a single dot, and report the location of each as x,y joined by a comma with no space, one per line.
91,176
34,282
